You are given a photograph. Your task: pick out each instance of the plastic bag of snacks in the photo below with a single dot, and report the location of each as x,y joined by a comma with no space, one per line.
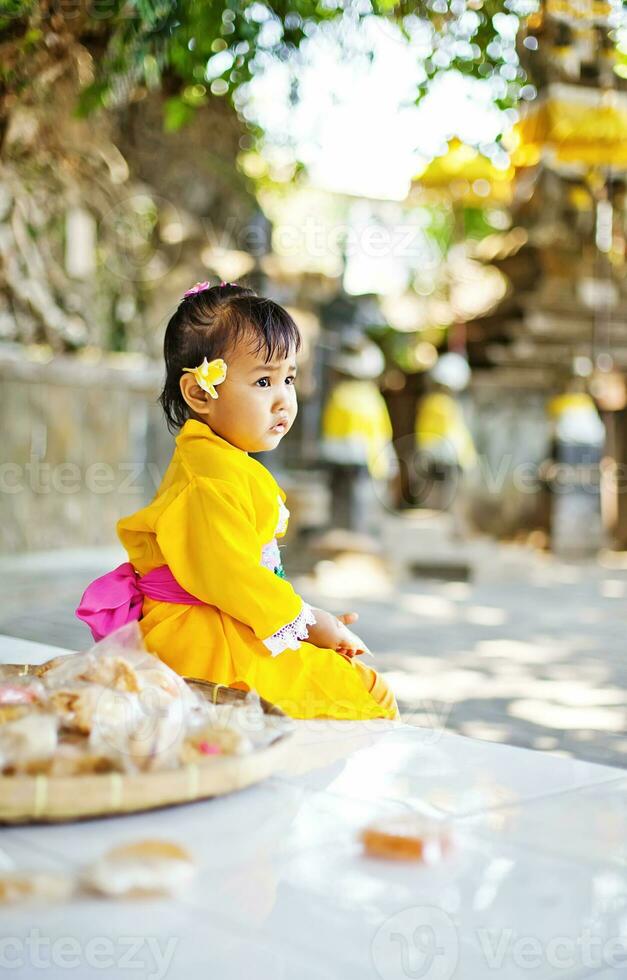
117,707
131,707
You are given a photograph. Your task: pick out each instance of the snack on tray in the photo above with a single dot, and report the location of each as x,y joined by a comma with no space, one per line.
155,674
210,740
69,759
248,719
21,689
77,707
119,668
410,837
28,738
28,886
40,670
113,672
146,868
10,712
119,708
149,867
146,742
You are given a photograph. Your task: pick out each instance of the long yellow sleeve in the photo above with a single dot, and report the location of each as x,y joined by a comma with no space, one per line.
209,541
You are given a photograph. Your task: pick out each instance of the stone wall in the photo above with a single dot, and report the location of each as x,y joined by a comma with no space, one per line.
83,443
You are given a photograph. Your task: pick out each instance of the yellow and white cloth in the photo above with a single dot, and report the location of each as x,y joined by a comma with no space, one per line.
356,428
442,433
575,418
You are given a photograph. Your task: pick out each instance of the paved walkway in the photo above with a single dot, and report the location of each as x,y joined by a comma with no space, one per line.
534,655
530,651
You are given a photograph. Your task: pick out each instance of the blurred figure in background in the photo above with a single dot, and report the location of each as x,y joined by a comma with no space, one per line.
572,473
444,445
578,434
357,436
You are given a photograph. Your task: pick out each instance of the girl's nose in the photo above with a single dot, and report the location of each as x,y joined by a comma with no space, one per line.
282,401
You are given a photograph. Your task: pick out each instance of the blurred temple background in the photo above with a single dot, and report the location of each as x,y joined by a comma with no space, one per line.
437,193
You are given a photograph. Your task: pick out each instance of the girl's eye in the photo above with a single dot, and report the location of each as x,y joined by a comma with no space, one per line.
291,378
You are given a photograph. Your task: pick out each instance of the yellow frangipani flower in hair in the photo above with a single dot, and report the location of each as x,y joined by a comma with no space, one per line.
209,374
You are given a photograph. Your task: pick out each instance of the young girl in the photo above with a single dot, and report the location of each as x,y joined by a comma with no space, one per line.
204,575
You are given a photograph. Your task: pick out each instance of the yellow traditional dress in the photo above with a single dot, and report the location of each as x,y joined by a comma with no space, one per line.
214,522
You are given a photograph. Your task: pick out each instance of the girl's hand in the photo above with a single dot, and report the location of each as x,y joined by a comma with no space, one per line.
329,631
350,644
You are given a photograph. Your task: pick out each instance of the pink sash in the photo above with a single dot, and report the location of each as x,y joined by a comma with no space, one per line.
116,598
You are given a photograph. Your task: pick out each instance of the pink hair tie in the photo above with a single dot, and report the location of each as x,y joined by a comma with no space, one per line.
198,288
201,286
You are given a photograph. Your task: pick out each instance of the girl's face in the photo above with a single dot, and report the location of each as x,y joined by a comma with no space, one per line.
256,403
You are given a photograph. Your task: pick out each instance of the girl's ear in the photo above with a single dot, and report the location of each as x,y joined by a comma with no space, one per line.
197,399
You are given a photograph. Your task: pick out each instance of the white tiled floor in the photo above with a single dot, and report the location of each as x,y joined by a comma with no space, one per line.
283,885
585,824
450,773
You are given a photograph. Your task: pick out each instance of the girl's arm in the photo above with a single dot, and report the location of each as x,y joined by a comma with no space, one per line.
208,539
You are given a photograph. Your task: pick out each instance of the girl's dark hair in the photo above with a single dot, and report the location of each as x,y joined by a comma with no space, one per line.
210,324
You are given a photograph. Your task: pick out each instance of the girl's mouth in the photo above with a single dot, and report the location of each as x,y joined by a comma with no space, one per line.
279,427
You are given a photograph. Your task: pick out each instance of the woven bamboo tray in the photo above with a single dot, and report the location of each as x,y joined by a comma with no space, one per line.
44,799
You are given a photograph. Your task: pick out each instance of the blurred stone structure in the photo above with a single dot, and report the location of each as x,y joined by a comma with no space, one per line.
566,313
84,444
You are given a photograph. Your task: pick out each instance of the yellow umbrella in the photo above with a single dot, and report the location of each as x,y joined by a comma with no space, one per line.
573,125
467,176
574,11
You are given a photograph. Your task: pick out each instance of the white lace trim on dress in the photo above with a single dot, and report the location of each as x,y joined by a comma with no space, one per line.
270,555
291,636
284,517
